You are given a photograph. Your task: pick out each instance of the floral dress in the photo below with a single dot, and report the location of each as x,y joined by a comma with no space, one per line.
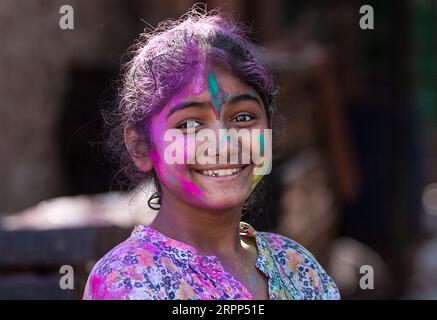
150,265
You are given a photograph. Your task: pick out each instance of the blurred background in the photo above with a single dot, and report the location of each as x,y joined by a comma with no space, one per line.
355,174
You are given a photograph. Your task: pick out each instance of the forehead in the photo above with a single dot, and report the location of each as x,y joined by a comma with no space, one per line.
204,83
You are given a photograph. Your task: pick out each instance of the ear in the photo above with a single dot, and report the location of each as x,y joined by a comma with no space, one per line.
138,149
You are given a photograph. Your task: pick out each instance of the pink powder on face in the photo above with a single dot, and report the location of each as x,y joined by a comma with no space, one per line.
192,188
188,186
198,86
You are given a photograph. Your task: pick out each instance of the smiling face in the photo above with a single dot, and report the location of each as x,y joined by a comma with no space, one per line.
215,99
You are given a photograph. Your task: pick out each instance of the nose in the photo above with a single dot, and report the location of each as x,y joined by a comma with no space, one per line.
224,147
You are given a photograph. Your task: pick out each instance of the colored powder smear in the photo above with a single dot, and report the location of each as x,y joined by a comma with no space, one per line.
256,177
251,93
215,93
256,180
188,186
192,188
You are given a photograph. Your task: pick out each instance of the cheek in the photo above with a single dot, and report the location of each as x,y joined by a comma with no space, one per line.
165,172
262,149
252,145
175,177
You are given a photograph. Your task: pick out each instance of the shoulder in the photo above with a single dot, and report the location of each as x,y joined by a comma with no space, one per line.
125,272
301,267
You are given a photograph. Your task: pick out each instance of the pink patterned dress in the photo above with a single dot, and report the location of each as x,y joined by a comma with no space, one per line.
150,265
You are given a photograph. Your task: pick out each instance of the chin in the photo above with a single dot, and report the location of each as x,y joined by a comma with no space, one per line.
218,202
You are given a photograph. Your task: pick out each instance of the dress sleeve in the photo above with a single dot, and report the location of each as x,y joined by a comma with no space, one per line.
327,287
330,290
303,269
118,276
114,286
99,287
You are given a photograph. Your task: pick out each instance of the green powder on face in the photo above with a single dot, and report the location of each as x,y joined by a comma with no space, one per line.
226,97
251,93
214,92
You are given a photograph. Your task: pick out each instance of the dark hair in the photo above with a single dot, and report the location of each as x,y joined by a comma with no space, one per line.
161,62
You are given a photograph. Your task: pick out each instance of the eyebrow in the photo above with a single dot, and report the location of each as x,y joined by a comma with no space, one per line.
200,104
242,97
185,105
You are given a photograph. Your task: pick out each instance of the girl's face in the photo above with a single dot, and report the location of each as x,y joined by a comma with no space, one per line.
214,99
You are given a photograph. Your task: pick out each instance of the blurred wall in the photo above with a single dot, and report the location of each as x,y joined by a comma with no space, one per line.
35,58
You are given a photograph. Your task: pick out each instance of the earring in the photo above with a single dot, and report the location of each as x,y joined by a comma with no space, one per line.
154,202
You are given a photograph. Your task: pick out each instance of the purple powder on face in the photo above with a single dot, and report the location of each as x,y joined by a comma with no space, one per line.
167,59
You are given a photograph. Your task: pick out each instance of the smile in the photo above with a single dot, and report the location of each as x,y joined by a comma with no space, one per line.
221,172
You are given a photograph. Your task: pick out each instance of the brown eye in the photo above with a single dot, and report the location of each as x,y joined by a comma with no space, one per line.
243,118
188,124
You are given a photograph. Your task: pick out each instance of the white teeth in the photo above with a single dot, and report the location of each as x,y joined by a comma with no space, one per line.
221,172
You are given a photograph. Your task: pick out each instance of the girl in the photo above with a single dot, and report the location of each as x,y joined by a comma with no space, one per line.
199,73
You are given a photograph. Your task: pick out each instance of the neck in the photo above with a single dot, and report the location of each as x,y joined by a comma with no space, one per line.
211,232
